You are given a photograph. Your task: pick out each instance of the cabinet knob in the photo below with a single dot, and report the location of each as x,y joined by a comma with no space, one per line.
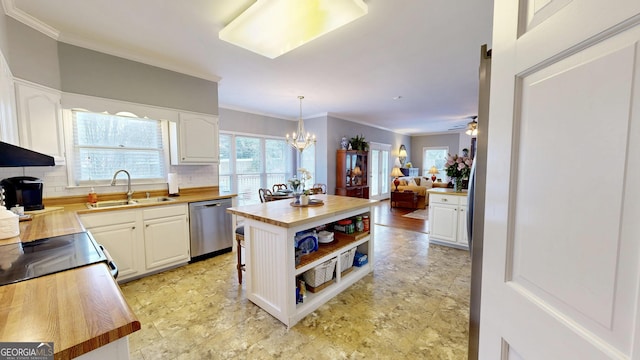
133,228
445,200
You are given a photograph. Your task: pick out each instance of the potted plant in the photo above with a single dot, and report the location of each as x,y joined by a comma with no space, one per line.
359,143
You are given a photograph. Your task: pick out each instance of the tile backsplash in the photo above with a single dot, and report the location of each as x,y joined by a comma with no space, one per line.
55,179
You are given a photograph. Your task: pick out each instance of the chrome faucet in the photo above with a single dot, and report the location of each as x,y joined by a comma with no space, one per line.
129,191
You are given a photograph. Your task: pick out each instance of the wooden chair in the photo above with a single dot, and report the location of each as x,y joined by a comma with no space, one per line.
265,195
319,189
240,246
277,187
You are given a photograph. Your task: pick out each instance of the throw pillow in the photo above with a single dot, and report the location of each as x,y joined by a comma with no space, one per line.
417,180
413,183
403,182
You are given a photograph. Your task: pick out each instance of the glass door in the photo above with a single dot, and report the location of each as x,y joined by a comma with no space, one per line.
379,171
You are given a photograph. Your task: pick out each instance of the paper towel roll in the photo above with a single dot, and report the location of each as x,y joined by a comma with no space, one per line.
173,183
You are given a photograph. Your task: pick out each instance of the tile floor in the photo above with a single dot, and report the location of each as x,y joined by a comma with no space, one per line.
414,305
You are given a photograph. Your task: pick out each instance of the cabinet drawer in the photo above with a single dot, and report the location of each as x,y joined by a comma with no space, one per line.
445,199
164,211
108,218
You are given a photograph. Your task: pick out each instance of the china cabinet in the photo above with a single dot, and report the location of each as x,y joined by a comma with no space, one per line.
352,173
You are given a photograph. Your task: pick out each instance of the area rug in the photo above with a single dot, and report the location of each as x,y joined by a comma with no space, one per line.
422,214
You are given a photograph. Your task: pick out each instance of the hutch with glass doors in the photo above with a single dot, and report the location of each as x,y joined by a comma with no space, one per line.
352,173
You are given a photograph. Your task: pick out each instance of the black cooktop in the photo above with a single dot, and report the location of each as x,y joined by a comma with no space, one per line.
23,261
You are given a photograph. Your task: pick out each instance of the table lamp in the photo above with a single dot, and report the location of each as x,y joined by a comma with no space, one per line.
396,172
433,171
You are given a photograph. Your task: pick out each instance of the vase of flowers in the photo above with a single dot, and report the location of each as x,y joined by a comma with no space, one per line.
296,186
458,168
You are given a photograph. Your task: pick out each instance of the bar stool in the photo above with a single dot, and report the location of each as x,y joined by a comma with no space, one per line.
240,245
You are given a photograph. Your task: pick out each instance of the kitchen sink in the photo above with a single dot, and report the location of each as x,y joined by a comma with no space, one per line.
123,203
110,203
154,200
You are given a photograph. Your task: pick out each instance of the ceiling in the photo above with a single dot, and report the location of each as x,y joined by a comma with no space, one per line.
425,51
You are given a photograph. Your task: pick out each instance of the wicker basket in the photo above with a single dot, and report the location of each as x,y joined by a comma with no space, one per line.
320,274
346,259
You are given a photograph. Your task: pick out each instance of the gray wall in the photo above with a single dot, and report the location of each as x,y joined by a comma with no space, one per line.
89,72
420,142
4,41
318,126
32,55
242,122
336,128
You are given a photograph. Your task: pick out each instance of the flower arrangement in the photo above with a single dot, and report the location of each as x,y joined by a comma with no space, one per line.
296,182
408,165
458,167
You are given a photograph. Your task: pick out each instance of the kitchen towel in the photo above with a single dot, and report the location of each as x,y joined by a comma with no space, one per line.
173,183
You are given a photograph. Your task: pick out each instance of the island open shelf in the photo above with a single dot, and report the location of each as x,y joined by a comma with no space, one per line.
271,271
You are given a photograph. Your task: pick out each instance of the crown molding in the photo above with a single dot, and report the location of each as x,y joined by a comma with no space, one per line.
148,60
11,10
254,112
337,116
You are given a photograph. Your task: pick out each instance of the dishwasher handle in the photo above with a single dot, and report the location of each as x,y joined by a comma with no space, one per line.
212,205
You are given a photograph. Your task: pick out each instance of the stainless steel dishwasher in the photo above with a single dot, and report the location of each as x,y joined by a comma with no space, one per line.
210,228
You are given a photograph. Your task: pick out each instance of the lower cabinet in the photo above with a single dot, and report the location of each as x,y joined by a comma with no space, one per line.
142,241
448,220
163,227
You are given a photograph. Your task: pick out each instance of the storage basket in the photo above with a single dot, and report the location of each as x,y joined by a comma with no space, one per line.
346,259
320,274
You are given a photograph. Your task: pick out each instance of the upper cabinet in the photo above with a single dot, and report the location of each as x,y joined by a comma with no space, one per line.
8,123
40,119
194,140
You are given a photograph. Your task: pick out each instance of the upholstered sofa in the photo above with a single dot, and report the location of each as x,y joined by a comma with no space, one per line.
419,185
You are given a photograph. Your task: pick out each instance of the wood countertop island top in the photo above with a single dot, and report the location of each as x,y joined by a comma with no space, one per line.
281,213
81,309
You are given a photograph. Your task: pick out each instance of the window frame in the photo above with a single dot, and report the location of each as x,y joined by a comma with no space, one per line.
425,168
233,174
73,102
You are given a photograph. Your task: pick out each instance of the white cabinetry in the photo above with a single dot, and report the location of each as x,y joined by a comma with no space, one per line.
448,219
272,272
164,243
120,232
8,121
40,119
166,236
194,139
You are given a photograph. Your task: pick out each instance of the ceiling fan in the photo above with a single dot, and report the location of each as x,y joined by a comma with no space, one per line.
462,126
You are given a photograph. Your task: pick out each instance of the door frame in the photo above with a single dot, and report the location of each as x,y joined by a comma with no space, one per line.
381,193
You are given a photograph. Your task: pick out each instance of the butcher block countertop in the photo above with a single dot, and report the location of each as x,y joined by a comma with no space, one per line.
281,213
78,310
81,309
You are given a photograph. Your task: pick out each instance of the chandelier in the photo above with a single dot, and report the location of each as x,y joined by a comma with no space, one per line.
300,140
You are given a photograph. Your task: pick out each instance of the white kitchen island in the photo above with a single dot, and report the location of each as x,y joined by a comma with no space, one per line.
271,272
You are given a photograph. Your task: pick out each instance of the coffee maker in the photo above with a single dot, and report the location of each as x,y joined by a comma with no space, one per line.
23,190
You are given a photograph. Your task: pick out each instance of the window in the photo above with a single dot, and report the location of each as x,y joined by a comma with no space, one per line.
435,156
308,162
103,144
250,162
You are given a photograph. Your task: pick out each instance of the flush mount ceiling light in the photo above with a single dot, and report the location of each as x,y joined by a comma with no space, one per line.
274,27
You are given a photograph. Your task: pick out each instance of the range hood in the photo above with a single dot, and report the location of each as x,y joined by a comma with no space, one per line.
15,156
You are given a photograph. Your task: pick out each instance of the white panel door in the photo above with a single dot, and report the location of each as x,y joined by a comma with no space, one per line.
379,170
561,255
